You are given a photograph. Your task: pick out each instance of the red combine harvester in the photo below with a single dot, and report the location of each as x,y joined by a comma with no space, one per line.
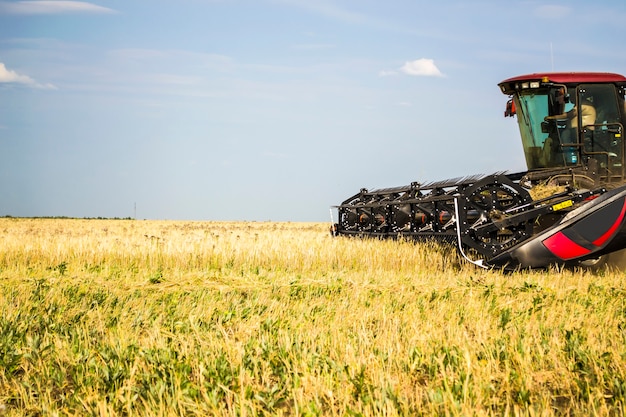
572,130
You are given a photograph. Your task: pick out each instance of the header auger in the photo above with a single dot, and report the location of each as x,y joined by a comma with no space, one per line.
572,126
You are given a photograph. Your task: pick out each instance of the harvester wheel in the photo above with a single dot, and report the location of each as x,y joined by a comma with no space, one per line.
491,199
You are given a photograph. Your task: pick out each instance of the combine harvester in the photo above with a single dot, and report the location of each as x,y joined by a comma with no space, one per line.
572,130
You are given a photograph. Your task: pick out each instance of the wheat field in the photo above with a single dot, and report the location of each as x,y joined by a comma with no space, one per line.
166,318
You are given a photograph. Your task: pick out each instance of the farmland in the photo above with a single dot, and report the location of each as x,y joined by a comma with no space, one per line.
159,318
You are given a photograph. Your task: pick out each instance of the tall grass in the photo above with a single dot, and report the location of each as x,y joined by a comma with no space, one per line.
126,318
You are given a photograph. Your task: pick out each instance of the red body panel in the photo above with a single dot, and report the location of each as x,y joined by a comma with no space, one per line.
571,77
508,86
565,248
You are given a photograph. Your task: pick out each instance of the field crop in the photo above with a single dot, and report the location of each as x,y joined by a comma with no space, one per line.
158,318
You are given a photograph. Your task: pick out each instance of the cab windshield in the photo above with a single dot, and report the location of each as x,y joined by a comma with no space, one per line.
540,135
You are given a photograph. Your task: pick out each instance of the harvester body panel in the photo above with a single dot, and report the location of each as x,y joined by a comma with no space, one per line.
594,229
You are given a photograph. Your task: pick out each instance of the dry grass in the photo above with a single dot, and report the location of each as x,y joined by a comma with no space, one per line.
111,318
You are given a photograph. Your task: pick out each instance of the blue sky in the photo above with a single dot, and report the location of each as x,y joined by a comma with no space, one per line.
268,109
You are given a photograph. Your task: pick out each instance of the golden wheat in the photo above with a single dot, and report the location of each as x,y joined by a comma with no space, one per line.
124,317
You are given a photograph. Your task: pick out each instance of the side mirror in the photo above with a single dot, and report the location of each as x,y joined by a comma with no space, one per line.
510,108
558,98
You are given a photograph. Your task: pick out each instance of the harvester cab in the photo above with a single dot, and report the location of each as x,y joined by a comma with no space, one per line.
572,128
571,120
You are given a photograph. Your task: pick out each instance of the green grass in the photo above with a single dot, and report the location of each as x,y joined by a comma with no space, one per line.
174,318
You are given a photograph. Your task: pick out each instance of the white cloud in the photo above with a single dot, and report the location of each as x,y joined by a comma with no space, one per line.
51,7
421,67
8,76
11,77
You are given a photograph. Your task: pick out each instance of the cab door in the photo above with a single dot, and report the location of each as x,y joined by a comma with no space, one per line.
602,136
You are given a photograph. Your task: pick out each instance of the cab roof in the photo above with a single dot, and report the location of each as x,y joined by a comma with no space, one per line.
508,86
